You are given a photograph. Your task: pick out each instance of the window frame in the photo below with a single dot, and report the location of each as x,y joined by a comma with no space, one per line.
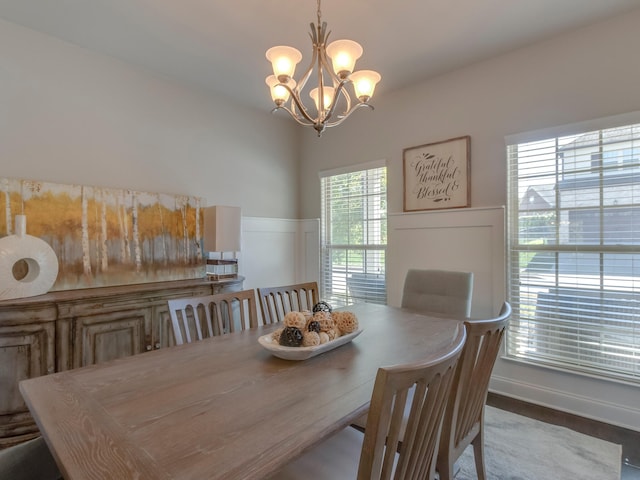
580,303
355,286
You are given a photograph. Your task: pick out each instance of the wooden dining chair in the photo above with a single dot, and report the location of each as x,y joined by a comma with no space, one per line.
464,418
276,302
195,318
351,454
30,460
440,292
434,292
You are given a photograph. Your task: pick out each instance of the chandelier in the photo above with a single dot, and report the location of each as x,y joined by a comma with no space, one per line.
332,102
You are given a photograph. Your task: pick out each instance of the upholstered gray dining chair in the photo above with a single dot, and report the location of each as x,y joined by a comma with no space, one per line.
30,460
438,291
350,454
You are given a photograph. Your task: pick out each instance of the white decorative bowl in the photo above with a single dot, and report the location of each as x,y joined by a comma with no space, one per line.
304,353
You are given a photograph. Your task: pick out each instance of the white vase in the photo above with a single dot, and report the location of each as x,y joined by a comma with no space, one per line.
32,257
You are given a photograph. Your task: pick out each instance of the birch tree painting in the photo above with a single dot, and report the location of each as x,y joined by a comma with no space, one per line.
7,206
86,259
105,236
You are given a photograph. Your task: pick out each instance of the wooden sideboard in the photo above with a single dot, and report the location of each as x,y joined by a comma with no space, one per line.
75,328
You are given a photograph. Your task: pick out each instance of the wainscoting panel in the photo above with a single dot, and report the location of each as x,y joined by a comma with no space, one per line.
279,251
469,240
474,240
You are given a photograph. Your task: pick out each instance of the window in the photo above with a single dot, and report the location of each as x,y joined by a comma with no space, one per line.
354,235
574,251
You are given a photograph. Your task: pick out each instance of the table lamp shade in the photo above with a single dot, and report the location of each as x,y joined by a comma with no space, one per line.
222,229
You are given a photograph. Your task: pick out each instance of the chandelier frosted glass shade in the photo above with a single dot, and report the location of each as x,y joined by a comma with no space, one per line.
334,70
284,60
327,98
343,55
279,93
364,83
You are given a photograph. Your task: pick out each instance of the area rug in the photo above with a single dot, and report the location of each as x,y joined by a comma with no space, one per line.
520,448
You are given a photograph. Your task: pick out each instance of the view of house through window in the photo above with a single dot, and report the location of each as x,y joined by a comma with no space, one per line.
574,239
354,235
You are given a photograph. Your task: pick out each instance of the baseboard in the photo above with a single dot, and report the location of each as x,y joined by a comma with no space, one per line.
594,409
629,439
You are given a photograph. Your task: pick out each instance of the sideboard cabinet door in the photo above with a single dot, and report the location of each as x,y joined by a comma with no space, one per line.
25,351
75,328
103,337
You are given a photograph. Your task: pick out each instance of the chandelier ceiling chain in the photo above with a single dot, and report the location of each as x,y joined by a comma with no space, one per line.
331,95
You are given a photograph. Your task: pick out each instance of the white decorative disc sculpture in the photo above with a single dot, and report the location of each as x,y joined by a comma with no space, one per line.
28,265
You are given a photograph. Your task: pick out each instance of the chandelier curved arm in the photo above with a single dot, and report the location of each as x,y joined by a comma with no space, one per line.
296,117
339,90
339,84
314,57
342,118
297,104
317,37
319,126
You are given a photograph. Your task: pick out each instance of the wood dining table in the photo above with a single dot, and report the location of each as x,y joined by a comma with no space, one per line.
223,407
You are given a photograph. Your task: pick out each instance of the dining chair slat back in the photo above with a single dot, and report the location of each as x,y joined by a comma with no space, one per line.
195,318
276,302
420,388
439,292
464,418
431,383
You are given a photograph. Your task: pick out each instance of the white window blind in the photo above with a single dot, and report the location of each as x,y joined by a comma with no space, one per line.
354,236
574,239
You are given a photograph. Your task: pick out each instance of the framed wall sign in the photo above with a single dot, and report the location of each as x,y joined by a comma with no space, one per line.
437,175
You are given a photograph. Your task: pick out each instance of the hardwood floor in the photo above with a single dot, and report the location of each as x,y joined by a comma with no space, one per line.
629,439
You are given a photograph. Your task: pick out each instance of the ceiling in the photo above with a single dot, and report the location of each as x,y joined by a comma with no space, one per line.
219,46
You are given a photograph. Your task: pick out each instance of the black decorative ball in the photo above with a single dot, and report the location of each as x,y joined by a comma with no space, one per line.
322,307
314,326
291,337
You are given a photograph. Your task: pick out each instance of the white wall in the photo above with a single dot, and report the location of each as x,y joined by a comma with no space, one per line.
69,115
589,73
459,239
278,251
